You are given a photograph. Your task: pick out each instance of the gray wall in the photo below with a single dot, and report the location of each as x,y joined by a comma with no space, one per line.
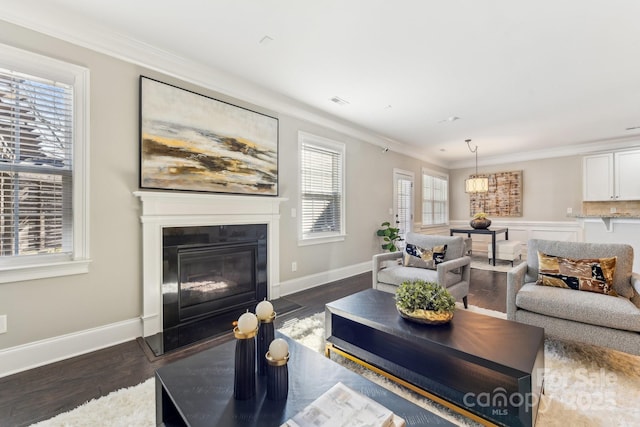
550,186
112,290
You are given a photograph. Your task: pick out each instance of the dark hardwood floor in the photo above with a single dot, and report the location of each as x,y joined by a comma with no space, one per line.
44,392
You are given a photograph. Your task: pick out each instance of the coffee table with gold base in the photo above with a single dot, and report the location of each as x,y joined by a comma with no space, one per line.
488,369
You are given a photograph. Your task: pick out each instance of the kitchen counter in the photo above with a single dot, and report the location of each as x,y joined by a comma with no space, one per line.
607,219
612,215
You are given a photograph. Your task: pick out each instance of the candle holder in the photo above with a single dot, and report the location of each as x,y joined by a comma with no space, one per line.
265,336
277,377
244,379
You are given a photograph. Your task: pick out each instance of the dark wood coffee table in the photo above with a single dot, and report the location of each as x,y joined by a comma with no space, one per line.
198,391
488,369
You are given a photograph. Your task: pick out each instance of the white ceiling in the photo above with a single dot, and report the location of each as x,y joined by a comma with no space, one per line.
521,76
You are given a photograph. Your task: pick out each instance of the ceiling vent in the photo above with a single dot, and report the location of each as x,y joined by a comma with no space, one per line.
338,100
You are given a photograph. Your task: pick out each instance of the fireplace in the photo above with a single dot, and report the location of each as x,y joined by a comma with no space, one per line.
212,270
209,221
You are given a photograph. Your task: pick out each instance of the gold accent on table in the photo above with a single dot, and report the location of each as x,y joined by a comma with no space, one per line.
243,336
271,361
427,317
269,320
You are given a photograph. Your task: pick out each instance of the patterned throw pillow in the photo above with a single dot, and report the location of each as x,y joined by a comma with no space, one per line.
593,275
415,256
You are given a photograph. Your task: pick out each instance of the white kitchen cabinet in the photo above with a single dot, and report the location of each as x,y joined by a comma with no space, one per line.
598,177
611,176
627,175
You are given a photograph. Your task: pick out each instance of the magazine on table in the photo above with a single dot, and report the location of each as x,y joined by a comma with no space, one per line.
344,407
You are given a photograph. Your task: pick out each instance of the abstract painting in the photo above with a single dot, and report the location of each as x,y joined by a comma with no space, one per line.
193,142
504,197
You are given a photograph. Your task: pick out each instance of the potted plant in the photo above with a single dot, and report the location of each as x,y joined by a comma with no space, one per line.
390,236
424,302
480,221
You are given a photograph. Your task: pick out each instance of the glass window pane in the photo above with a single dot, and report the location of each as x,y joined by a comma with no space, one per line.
321,181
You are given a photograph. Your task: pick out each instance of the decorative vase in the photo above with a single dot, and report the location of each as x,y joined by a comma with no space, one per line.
480,223
265,336
427,317
244,378
277,378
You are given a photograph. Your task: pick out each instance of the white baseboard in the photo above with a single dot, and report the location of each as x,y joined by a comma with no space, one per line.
39,353
307,282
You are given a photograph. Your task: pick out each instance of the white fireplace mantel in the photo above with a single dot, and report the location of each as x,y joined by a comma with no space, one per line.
165,209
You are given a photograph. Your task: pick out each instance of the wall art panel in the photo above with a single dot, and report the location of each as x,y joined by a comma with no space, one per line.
193,142
504,197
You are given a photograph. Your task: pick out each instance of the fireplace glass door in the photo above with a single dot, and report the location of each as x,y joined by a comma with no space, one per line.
214,276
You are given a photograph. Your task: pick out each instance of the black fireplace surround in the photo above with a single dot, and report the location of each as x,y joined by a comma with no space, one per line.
210,275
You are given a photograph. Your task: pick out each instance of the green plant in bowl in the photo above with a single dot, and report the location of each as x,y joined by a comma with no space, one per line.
425,302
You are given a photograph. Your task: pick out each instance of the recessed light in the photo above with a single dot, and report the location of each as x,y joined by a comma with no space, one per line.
338,100
449,119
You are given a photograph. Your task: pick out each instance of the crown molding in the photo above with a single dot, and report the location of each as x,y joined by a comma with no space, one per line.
47,20
608,145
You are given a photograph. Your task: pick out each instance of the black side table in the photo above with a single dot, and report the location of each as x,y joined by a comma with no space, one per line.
491,231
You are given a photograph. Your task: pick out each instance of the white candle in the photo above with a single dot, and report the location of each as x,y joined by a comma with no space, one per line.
247,322
278,349
264,310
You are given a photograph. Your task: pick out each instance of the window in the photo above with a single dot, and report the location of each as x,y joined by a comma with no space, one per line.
435,198
43,144
321,189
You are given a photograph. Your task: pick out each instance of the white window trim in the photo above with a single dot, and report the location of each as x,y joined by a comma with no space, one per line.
431,172
15,269
333,145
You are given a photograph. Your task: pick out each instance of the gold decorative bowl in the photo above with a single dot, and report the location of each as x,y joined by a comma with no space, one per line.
426,317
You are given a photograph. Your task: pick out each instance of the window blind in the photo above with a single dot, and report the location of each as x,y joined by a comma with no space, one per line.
403,203
321,187
36,122
435,200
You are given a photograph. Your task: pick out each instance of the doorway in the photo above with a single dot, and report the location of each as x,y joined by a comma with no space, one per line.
403,200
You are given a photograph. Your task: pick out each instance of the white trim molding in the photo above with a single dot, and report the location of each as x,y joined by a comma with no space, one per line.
40,353
76,259
307,282
166,209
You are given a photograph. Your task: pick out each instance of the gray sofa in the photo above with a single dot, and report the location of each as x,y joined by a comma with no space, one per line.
453,273
603,320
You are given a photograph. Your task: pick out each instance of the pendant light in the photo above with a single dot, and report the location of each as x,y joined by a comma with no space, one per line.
475,184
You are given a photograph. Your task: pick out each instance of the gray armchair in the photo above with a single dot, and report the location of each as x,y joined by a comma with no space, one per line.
603,320
453,273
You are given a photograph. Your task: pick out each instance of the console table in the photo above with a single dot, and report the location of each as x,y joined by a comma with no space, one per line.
198,391
491,231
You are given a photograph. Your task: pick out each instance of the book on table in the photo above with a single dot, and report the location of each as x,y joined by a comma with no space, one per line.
342,406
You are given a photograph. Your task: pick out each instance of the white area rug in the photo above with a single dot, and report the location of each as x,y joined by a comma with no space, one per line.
584,386
128,407
481,262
